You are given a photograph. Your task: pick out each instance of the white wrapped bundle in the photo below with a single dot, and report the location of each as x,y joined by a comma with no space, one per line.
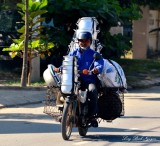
112,75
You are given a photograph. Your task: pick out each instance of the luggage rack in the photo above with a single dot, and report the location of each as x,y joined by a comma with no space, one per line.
55,110
121,96
50,107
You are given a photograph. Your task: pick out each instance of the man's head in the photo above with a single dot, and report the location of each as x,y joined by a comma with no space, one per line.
84,39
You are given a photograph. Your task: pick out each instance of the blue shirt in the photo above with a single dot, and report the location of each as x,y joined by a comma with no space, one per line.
85,60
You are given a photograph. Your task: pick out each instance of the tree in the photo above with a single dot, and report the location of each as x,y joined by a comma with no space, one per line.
25,58
107,12
38,44
154,4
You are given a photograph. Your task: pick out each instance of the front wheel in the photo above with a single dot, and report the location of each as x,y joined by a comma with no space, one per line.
67,121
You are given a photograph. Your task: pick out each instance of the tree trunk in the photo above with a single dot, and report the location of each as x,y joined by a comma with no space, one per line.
25,56
30,71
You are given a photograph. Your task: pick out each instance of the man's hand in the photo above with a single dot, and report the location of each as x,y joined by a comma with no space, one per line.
57,70
95,70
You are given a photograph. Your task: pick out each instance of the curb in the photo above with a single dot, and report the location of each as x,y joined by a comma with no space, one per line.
135,85
21,104
145,84
22,88
140,85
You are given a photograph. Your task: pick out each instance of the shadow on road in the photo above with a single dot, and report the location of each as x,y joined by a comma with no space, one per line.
16,127
154,89
24,116
140,117
25,124
123,138
149,99
12,125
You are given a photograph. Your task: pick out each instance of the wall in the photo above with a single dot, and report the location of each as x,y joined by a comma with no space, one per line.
154,37
140,35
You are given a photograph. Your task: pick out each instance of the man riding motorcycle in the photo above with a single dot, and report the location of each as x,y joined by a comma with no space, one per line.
86,60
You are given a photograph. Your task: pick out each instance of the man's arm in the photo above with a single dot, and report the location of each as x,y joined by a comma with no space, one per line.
98,66
60,68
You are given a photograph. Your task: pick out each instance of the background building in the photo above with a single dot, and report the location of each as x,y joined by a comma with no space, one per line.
146,44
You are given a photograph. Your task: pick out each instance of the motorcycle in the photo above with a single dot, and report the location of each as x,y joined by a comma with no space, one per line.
70,105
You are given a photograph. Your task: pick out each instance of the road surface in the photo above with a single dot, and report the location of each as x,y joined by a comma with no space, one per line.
29,126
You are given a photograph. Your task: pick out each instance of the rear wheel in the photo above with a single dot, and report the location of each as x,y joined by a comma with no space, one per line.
67,121
82,131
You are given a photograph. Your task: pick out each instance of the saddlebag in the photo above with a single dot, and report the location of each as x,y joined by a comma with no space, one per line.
112,75
111,104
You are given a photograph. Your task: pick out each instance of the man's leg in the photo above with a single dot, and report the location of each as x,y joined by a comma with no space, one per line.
93,96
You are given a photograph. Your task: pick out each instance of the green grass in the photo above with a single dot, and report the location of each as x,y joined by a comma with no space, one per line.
140,69
18,83
135,71
9,78
40,83
134,67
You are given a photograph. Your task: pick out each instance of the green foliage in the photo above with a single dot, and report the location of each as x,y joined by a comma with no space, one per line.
108,13
38,43
8,5
136,70
140,69
116,45
154,4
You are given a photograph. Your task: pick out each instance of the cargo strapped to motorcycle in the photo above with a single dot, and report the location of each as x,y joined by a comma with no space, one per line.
88,24
51,107
117,72
111,104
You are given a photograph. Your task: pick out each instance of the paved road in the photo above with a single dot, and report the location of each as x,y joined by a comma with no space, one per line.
29,126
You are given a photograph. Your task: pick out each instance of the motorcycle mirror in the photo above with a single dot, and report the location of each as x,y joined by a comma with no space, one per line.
97,56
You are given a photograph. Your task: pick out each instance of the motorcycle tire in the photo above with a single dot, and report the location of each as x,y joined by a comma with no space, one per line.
82,131
67,122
